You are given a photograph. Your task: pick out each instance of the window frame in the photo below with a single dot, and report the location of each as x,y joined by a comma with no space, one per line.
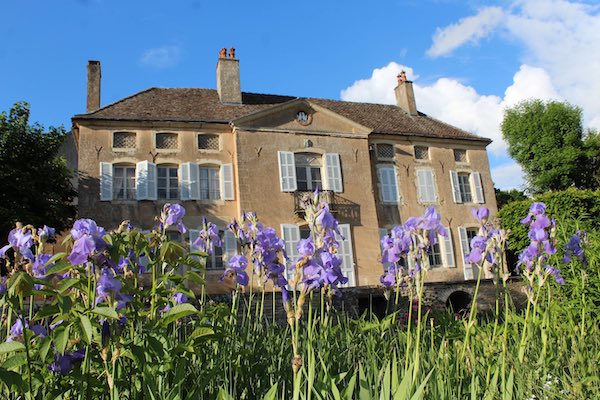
380,158
427,159
124,149
209,168
162,150
308,168
200,134
466,161
380,184
466,175
124,167
168,188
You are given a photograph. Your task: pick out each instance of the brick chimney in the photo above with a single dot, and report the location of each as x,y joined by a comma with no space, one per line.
405,96
228,78
93,85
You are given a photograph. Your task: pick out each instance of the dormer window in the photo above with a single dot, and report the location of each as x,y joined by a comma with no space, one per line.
385,151
166,141
208,142
421,153
124,140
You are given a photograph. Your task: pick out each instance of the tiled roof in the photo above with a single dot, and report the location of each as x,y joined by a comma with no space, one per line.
156,104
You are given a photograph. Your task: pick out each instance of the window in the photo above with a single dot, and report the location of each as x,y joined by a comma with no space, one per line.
464,186
388,185
303,171
435,256
124,183
173,236
385,151
208,142
168,183
215,260
467,187
460,155
426,186
421,152
124,140
166,141
209,183
466,235
308,171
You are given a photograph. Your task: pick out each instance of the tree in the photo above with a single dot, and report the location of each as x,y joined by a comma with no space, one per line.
35,185
504,197
547,140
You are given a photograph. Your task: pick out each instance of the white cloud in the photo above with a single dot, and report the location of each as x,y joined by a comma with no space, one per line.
508,176
469,29
160,57
453,102
559,36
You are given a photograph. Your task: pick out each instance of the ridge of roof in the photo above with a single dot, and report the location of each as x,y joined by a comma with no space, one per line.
115,102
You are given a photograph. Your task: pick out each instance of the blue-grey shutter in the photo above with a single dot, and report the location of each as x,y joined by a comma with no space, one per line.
106,181
334,172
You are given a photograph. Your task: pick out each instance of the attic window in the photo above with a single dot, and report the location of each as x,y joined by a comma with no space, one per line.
460,155
303,117
421,153
208,142
385,151
166,141
124,140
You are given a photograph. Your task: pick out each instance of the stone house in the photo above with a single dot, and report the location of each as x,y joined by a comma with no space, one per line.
224,151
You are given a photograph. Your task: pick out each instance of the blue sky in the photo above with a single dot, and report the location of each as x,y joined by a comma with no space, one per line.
468,59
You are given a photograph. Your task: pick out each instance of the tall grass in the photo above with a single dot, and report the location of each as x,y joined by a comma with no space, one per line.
206,350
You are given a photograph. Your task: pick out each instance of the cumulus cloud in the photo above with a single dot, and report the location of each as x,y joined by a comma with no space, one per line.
559,36
161,57
453,102
467,30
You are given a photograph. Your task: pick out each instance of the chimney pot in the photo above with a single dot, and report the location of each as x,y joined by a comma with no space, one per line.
232,53
223,53
94,76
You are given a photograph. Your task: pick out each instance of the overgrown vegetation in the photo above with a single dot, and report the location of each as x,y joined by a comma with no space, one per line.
115,319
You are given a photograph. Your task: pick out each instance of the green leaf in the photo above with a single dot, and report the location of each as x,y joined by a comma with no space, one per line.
421,390
107,312
55,258
223,395
10,378
272,393
61,338
349,392
177,312
15,361
59,267
86,328
66,284
9,347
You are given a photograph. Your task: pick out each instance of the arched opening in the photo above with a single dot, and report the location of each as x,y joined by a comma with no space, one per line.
459,302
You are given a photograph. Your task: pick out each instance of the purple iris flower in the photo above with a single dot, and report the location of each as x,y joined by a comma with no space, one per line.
46,234
105,332
20,242
107,285
306,247
62,364
88,238
172,214
481,214
57,323
39,330
574,248
208,237
389,278
478,246
237,269
180,298
555,272
16,330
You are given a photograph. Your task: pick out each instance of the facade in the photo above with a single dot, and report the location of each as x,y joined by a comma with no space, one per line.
221,152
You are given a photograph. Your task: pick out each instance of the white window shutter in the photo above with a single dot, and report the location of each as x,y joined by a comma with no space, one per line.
430,186
345,253
388,185
447,250
455,187
422,189
227,191
291,237
334,172
477,187
151,179
287,171
464,250
230,244
184,181
106,181
194,182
